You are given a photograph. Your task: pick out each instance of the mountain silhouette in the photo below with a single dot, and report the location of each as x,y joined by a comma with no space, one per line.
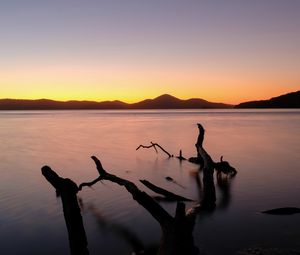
290,100
166,101
162,102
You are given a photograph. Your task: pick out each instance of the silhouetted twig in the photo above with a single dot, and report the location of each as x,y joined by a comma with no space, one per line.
154,146
180,157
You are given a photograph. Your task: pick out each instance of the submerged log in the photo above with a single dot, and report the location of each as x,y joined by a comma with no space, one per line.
283,211
68,193
177,238
224,167
220,167
180,157
169,195
170,179
141,197
177,231
209,192
199,160
196,160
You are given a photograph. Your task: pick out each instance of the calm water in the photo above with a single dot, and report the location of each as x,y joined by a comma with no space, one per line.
264,146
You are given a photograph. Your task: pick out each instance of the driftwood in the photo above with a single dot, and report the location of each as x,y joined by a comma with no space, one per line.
208,166
154,145
141,197
169,195
177,236
180,157
209,192
283,211
220,167
198,160
68,192
224,167
170,179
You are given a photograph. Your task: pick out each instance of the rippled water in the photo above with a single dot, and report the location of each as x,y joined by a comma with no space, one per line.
263,145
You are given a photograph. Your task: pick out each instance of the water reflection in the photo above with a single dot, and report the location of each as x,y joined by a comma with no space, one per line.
224,184
254,141
121,231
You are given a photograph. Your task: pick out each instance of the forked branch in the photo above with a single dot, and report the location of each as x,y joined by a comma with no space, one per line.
160,214
154,145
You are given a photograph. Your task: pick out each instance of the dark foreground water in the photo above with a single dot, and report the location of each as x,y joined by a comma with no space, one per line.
263,145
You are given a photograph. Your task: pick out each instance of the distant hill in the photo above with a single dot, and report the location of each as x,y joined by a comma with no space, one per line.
290,100
162,102
169,102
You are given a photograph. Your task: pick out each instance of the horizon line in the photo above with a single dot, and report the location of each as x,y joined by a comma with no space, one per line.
111,100
114,100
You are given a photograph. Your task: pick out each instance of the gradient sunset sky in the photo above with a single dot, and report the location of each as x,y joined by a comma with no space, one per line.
219,50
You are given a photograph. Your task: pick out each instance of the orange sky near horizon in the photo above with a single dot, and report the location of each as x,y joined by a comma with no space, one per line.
132,83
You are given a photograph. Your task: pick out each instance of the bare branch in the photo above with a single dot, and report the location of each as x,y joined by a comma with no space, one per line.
154,146
160,214
89,184
68,190
209,198
169,195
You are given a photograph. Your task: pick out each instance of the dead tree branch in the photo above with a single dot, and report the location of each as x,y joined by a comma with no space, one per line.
154,146
224,167
220,167
141,197
209,192
68,192
208,201
177,236
169,195
89,184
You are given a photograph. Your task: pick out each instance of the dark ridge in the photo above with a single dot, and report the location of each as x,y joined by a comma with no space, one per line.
170,102
162,102
290,100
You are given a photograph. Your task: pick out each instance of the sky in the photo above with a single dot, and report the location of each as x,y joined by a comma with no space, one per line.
220,50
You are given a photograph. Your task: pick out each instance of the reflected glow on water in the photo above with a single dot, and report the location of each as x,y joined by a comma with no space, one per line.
262,145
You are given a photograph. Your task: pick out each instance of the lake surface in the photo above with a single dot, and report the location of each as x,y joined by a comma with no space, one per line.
263,145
